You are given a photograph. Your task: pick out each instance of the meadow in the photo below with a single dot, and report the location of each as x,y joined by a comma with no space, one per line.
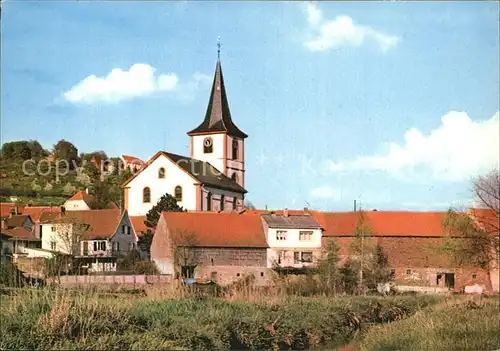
82,320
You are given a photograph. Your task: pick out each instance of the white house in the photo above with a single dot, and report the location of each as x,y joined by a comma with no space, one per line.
98,237
211,179
294,241
82,201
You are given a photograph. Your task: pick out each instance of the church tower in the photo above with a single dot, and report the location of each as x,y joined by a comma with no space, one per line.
217,139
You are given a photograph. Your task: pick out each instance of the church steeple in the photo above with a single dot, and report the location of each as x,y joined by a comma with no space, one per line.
218,116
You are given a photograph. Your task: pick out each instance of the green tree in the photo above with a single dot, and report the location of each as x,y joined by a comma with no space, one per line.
380,272
167,203
64,150
327,267
17,150
349,273
37,150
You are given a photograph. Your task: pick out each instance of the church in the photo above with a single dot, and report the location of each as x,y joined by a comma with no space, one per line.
211,179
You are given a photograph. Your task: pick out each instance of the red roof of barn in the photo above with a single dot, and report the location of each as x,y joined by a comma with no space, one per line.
36,211
384,223
212,229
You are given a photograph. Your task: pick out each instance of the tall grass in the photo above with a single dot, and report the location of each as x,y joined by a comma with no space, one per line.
458,327
62,319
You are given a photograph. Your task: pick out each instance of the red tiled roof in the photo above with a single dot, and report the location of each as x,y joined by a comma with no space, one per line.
89,199
6,207
132,159
212,229
36,211
20,233
138,224
384,223
103,223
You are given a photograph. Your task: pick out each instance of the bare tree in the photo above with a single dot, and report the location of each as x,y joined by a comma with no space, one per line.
69,234
478,228
185,257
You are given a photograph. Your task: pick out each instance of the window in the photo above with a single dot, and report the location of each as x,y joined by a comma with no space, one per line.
208,147
235,149
95,246
129,230
131,246
234,177
305,236
85,248
123,229
299,257
261,274
178,193
117,246
281,235
53,246
209,201
146,195
237,274
52,229
408,272
161,173
102,246
474,275
222,200
235,203
212,261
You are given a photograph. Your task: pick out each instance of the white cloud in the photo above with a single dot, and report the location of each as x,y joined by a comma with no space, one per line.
326,192
140,80
341,31
457,150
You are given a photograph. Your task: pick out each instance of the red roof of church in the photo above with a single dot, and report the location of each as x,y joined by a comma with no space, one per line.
224,229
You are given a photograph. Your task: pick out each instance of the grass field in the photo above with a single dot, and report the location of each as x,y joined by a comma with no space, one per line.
57,319
453,327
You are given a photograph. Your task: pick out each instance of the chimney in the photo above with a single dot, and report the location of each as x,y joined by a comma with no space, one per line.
285,212
354,205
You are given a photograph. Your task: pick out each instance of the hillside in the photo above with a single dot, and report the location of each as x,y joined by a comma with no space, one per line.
38,176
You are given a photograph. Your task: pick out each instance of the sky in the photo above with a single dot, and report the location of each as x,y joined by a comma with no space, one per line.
392,104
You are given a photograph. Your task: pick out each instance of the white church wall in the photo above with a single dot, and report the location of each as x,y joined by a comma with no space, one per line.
174,176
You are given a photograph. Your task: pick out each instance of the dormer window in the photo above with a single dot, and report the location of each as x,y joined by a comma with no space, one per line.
161,173
235,149
208,147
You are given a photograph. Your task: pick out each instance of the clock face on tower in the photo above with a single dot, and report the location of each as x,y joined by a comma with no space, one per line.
207,142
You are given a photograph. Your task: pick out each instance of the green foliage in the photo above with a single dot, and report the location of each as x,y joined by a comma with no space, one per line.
9,275
17,150
167,203
327,267
64,150
49,319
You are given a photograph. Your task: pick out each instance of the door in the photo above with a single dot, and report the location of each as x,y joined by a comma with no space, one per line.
449,280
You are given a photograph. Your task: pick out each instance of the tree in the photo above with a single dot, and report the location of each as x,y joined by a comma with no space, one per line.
185,258
380,272
327,267
478,230
69,233
361,249
17,150
64,150
167,203
37,150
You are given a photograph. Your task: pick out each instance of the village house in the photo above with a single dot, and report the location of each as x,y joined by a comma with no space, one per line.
19,237
294,240
413,242
97,237
211,179
222,247
83,201
132,163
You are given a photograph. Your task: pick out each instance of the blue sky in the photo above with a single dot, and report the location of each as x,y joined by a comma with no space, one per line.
394,104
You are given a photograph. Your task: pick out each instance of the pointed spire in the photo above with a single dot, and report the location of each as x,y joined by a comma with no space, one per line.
218,115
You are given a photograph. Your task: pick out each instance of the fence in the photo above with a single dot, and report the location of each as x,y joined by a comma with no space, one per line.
144,279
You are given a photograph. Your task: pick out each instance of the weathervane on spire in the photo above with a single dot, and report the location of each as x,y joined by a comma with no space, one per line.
218,48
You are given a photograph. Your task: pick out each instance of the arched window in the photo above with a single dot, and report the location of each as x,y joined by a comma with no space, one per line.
208,146
234,177
209,201
222,200
146,195
235,203
161,173
235,149
178,193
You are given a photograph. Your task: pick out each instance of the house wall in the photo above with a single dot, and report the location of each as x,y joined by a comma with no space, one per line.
60,236
216,158
418,261
281,252
76,205
149,178
161,249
